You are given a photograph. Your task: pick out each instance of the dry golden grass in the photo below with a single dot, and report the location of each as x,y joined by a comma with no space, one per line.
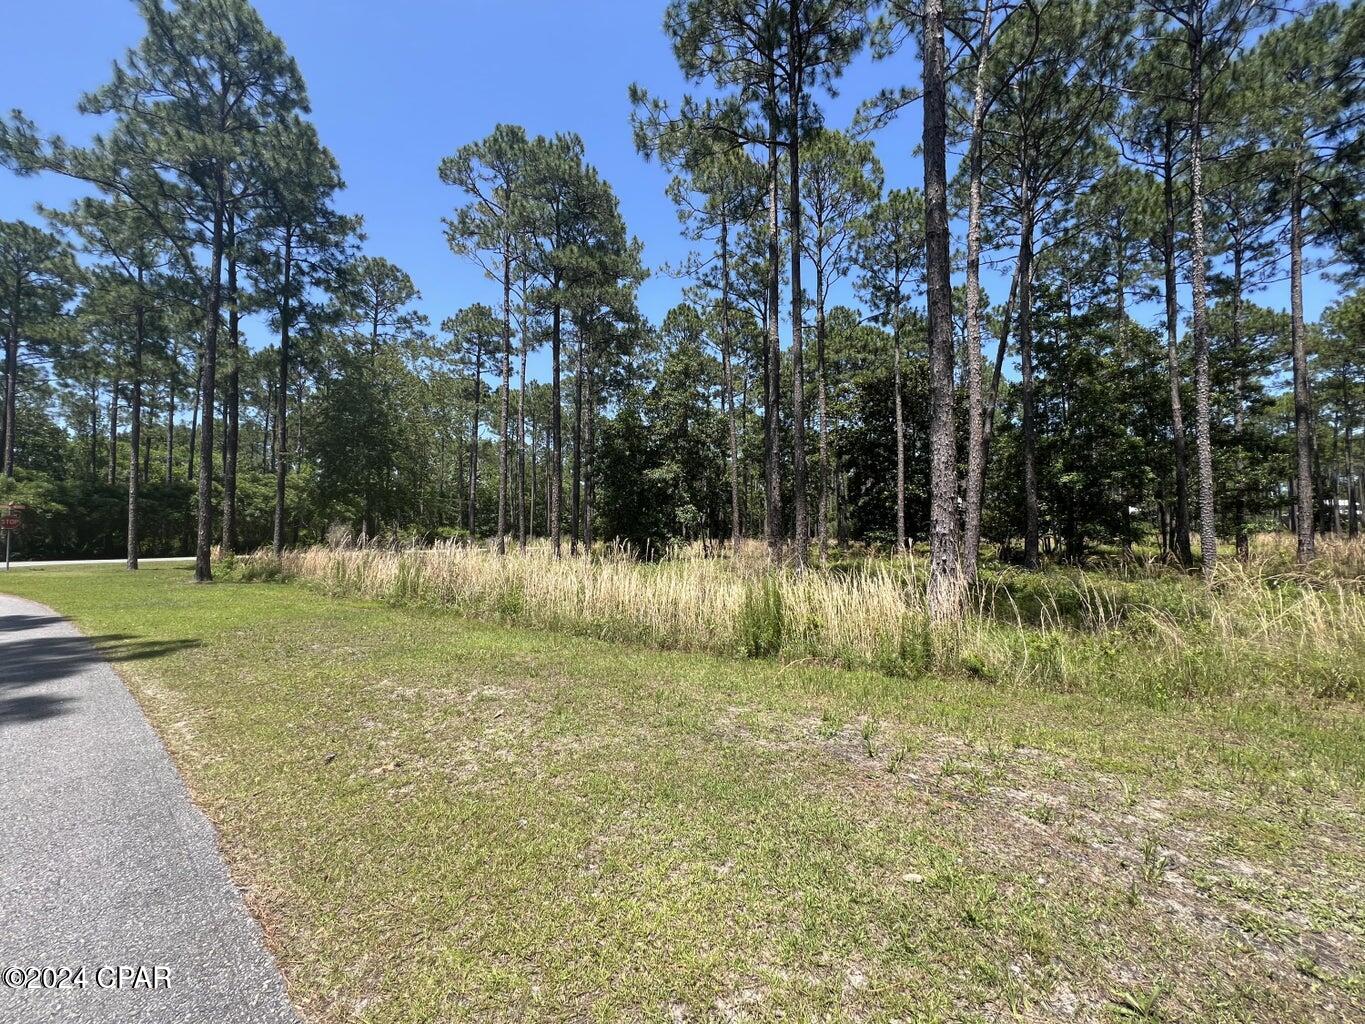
1138,630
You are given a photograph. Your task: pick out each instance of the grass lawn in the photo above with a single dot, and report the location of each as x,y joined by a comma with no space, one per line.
444,820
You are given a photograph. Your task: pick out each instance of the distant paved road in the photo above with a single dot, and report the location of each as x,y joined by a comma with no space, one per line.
104,862
86,561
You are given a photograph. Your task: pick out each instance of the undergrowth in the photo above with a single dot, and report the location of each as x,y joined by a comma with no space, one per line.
1140,631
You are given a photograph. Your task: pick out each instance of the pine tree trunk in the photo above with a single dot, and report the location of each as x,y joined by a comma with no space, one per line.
727,366
577,497
1352,510
282,398
772,419
203,569
746,484
1208,535
978,483
523,518
822,399
368,525
976,429
531,509
551,505
1182,487
472,510
901,544
794,90
945,575
590,442
1243,542
7,429
556,484
505,423
194,414
170,417
1027,425
139,335
1335,484
232,401
111,474
1120,290
1303,402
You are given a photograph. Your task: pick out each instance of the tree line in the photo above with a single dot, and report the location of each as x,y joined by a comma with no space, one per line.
1115,159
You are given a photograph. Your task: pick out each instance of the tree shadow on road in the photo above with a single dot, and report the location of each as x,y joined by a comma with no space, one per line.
44,662
33,708
19,623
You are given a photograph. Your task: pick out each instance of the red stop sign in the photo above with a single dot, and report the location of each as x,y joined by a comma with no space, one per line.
9,523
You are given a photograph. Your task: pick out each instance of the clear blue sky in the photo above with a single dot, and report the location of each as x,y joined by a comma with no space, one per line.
396,86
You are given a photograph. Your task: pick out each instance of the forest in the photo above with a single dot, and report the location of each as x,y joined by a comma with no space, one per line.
833,379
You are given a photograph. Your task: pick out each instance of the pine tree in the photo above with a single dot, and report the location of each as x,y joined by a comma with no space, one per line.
716,191
1059,62
842,179
495,175
822,37
299,243
1309,77
1152,135
188,103
1212,30
377,297
37,274
131,276
738,46
976,413
890,255
475,333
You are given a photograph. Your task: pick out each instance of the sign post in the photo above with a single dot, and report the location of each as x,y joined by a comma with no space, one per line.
9,522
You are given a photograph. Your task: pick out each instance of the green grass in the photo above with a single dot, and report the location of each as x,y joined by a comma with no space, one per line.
444,820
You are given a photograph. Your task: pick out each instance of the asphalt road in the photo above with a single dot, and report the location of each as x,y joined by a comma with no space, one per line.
85,561
104,861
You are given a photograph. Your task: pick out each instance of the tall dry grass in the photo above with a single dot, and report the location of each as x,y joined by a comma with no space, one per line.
1146,633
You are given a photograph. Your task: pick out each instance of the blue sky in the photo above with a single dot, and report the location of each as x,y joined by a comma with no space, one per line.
397,86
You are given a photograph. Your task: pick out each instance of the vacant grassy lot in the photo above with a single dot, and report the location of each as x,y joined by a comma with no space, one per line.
443,820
